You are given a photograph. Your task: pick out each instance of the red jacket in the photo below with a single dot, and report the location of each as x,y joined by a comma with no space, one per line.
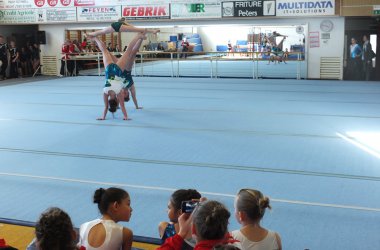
65,51
175,243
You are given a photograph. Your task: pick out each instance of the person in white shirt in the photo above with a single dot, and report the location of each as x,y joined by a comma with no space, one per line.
250,206
105,233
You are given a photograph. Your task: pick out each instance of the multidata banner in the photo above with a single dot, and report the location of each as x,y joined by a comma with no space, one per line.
305,7
249,8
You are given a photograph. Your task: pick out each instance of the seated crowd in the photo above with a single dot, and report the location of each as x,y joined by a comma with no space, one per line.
194,223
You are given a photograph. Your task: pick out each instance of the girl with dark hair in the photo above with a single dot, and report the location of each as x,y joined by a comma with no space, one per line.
105,233
54,230
209,225
250,206
169,229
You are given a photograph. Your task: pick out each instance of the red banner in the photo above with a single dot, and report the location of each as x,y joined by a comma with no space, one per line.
146,11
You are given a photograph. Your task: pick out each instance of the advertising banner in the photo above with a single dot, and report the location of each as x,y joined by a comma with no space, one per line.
249,8
98,14
18,16
305,7
59,15
148,11
195,1
28,4
32,16
195,10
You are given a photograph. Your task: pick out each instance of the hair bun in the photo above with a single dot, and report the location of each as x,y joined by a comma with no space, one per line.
98,195
264,203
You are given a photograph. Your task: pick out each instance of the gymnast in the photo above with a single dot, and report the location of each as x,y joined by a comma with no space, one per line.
116,79
120,26
127,80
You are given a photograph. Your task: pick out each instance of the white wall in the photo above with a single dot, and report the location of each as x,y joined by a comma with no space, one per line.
333,47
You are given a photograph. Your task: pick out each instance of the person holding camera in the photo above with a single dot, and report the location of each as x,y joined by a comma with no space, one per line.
169,229
208,223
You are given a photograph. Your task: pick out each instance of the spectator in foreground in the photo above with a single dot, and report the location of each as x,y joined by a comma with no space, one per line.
250,206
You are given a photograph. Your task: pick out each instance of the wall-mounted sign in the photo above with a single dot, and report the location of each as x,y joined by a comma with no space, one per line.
195,10
98,14
305,7
376,10
314,39
149,11
19,16
57,15
249,8
28,4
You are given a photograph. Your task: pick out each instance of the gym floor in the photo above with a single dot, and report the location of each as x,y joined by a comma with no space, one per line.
311,146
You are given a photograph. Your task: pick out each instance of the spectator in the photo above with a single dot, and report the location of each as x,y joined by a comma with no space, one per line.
208,222
116,48
14,60
94,48
367,58
160,47
67,66
109,47
169,229
229,46
54,230
4,53
75,49
35,49
355,65
115,205
25,60
286,55
250,208
185,47
84,45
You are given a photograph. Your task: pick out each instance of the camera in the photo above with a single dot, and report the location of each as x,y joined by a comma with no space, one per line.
188,206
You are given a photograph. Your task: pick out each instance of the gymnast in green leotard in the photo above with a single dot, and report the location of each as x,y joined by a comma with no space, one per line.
121,26
126,75
117,75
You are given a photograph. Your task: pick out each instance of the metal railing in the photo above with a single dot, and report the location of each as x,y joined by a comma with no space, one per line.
205,64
